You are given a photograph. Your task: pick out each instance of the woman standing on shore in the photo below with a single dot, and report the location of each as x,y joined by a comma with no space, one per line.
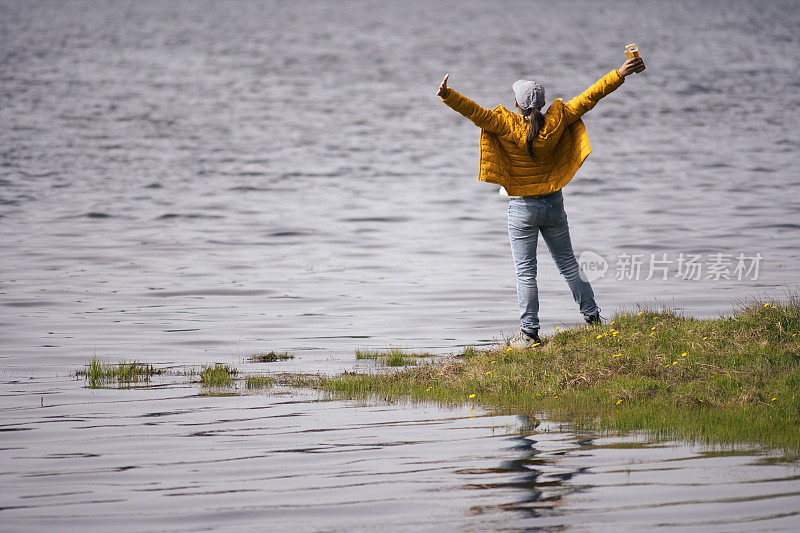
532,156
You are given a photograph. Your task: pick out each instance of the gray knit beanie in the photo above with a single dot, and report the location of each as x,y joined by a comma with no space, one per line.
529,95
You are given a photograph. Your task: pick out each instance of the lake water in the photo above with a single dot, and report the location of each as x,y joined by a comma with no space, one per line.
194,182
170,459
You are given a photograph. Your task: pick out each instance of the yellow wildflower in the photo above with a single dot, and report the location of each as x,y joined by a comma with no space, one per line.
537,344
612,322
489,372
639,313
508,349
556,328
471,395
766,304
684,354
616,355
492,362
651,329
704,338
599,336
773,399
472,409
674,362
619,402
429,388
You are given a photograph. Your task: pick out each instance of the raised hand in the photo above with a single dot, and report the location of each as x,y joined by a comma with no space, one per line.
631,66
443,90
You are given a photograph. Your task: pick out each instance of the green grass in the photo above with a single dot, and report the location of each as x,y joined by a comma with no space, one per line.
728,380
398,358
102,374
367,354
218,375
308,381
259,382
469,351
394,357
271,357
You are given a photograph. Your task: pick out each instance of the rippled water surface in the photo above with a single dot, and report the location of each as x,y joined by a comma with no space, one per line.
171,459
189,182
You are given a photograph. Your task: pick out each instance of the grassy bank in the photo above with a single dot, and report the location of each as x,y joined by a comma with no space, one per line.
726,380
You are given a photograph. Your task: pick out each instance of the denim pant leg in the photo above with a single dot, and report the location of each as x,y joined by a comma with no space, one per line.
523,232
556,236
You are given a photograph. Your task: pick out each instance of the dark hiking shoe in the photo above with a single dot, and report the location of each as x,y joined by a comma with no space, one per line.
523,340
593,319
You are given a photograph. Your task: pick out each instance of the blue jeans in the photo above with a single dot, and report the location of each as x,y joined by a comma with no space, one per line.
527,216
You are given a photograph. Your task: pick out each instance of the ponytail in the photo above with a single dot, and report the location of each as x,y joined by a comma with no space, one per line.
535,123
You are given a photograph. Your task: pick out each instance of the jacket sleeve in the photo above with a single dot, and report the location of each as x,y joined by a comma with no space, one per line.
480,116
589,98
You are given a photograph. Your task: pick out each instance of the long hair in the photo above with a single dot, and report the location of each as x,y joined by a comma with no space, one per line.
535,123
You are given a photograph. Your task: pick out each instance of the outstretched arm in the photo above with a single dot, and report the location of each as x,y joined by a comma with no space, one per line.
480,116
602,87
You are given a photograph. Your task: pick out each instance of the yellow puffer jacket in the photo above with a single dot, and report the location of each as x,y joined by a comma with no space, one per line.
560,148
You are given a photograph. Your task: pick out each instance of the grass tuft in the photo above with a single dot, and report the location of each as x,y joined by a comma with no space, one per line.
398,358
259,382
469,351
271,357
311,381
100,374
217,375
395,357
368,354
